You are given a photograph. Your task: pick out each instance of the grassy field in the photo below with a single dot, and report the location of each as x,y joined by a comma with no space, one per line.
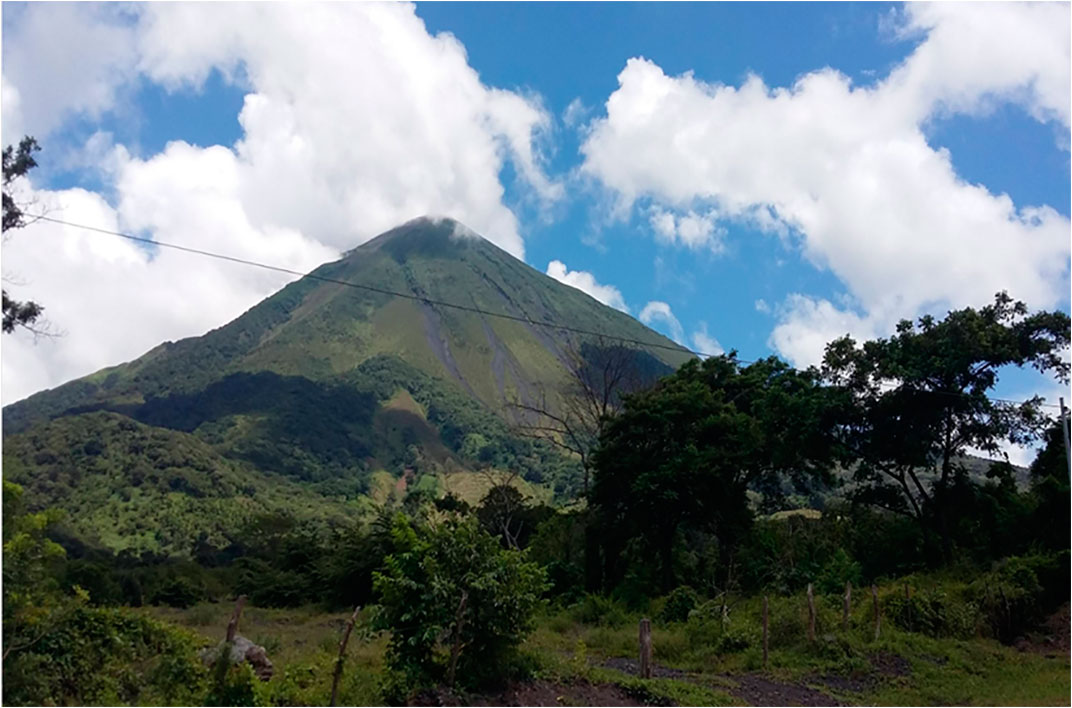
577,651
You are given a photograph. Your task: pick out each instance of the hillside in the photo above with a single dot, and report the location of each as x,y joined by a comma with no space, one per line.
323,385
128,486
320,330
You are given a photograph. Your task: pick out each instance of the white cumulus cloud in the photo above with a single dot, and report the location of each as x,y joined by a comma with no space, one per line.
355,119
690,229
847,171
587,283
704,343
657,312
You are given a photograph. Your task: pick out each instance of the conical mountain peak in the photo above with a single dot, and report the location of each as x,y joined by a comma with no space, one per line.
430,236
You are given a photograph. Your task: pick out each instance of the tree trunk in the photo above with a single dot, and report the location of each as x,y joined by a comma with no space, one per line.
592,566
456,645
666,554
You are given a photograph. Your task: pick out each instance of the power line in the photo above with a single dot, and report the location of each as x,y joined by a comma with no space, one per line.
383,291
429,301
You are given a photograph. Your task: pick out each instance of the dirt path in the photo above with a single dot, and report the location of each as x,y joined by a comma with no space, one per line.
540,693
759,690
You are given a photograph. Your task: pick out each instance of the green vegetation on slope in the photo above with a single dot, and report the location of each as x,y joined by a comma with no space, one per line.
128,486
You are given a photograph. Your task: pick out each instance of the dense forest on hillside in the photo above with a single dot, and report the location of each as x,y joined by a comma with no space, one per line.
695,507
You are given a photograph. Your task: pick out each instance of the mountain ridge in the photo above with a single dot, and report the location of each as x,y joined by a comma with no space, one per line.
325,385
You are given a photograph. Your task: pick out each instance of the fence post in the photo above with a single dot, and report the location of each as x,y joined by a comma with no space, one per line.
878,616
811,614
847,607
766,635
645,648
342,653
232,626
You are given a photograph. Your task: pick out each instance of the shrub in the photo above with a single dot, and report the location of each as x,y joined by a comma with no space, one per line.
106,656
679,604
599,611
1012,598
936,613
447,586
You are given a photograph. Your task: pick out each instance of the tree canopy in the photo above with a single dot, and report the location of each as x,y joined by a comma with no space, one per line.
921,400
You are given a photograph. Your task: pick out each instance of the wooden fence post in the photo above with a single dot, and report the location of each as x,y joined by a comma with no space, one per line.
811,614
878,616
766,634
342,653
847,607
645,649
232,626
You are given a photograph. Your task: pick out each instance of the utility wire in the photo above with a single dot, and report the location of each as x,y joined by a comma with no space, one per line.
427,300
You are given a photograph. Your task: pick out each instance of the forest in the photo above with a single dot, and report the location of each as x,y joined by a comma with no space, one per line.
720,488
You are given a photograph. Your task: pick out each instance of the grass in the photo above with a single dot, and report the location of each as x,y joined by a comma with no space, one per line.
303,644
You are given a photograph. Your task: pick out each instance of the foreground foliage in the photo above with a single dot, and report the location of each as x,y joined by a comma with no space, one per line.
456,604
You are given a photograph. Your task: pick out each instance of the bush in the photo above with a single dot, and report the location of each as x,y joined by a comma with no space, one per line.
448,586
1012,598
106,657
936,613
679,604
706,630
599,611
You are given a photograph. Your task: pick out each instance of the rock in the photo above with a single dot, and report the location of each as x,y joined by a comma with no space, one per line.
242,649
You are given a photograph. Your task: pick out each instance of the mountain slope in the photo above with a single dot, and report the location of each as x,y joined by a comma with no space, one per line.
334,378
129,486
320,330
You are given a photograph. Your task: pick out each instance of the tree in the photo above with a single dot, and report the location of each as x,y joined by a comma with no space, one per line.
921,401
683,454
16,164
456,603
598,375
1050,488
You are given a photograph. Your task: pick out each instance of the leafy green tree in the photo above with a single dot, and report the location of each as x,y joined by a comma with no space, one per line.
455,602
16,164
921,401
1050,489
34,604
684,454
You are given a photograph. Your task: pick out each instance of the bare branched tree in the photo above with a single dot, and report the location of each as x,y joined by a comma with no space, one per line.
598,374
501,505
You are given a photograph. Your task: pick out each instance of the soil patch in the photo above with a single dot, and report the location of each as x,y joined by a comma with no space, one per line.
632,667
1051,639
759,690
539,693
845,684
890,664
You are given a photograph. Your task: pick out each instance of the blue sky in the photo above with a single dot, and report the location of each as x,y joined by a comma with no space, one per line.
817,168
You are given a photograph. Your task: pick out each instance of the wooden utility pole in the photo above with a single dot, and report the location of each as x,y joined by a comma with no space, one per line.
878,617
1064,434
766,635
645,649
811,614
342,654
847,606
232,626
